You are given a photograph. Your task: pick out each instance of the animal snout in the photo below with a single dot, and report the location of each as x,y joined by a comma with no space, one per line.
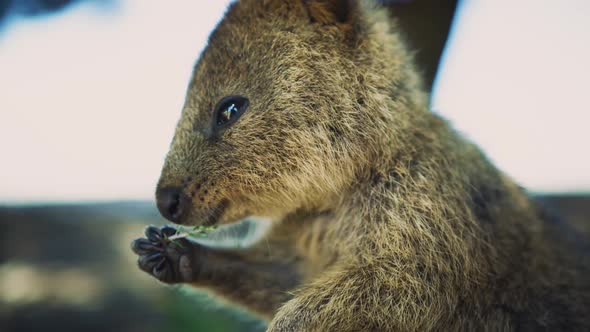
173,203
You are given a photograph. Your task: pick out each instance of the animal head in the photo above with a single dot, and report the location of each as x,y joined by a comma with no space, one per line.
287,103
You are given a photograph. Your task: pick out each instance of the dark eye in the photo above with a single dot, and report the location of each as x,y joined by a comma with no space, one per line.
228,110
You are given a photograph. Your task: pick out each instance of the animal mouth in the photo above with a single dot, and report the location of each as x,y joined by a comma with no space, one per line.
213,215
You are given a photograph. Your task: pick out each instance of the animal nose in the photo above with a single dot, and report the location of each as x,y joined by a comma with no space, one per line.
172,203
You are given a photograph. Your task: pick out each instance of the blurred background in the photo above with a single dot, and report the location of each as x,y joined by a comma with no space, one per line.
90,92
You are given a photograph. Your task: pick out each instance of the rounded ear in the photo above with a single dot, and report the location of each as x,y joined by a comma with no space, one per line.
425,25
339,12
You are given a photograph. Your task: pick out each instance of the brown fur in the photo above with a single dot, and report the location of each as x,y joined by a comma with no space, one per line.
385,219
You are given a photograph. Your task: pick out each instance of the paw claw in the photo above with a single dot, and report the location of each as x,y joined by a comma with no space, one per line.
153,234
168,231
143,247
162,271
168,261
147,262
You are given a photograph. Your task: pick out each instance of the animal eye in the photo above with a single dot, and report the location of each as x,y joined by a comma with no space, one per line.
229,109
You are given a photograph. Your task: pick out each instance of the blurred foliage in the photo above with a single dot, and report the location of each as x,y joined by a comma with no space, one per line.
186,312
70,268
39,7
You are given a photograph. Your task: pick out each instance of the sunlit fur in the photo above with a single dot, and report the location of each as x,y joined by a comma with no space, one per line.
384,218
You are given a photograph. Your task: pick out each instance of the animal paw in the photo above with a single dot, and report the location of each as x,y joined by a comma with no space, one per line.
170,261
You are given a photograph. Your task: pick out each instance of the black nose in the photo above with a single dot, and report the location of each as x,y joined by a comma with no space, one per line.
172,203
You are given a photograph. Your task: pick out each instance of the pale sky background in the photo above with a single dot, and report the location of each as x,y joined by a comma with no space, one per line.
89,98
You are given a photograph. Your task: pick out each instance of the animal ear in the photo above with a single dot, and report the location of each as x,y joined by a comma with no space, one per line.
340,12
425,25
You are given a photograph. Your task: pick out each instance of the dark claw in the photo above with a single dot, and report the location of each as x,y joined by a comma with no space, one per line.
169,261
162,271
161,265
147,262
168,231
153,234
143,247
